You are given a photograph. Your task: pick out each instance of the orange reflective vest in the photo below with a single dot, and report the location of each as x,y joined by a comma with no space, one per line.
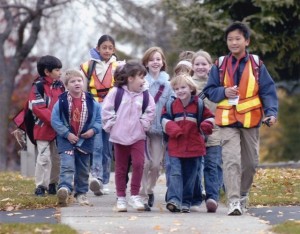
248,111
97,88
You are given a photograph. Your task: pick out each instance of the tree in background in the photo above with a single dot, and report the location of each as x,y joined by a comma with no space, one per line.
275,38
274,24
20,26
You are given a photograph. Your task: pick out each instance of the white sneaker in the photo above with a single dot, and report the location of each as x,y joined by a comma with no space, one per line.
82,200
136,203
106,190
195,208
121,204
96,187
62,195
234,208
244,201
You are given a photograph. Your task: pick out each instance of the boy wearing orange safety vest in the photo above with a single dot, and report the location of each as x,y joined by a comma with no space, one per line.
245,100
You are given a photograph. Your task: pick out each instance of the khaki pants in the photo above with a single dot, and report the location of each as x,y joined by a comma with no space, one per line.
155,152
47,164
240,148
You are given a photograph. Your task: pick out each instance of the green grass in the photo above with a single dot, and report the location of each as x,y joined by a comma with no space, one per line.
275,187
289,227
17,192
20,228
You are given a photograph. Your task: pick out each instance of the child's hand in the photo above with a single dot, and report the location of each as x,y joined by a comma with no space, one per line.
88,134
206,127
72,138
231,92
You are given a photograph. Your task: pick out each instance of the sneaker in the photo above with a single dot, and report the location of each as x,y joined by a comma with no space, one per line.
244,201
147,207
105,189
52,189
172,207
136,202
40,191
195,208
121,204
150,199
234,208
211,205
185,209
62,195
96,187
82,199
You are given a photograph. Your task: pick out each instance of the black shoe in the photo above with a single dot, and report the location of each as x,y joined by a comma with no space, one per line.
147,208
40,191
171,206
52,189
150,199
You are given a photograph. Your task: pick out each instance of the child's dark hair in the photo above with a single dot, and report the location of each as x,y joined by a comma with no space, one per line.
238,26
104,38
48,62
130,68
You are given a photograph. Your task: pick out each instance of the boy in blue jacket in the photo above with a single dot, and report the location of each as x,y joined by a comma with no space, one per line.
76,118
246,96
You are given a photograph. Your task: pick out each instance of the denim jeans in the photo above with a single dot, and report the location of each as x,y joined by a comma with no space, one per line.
182,180
102,156
75,166
212,159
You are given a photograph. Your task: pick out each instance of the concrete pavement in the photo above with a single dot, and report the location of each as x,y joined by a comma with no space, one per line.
102,218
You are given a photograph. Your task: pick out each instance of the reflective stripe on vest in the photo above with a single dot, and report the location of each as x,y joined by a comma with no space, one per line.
249,109
97,88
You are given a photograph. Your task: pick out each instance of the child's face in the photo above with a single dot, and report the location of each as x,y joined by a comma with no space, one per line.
155,63
136,83
55,74
237,43
75,86
106,50
183,92
201,67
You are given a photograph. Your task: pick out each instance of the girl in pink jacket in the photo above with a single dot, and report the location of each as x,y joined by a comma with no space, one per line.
127,113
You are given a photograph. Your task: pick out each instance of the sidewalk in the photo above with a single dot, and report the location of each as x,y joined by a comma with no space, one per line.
101,218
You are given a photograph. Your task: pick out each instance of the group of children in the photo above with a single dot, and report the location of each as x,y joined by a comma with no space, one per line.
146,116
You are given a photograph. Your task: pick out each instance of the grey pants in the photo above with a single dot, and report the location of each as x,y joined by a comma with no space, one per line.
47,165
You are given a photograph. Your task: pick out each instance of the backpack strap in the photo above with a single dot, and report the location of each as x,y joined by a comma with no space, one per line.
256,64
200,111
159,93
90,70
221,63
119,96
145,100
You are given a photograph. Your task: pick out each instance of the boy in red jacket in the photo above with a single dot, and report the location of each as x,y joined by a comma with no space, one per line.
185,143
47,162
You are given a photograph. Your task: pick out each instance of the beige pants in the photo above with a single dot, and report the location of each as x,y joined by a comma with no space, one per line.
47,164
240,150
152,166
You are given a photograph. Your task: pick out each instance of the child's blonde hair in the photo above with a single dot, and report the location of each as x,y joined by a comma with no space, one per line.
203,54
150,52
70,73
184,79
